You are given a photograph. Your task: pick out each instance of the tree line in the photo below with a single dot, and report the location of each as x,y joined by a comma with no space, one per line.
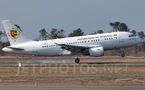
116,27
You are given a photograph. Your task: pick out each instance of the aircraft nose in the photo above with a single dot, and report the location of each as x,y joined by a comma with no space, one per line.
139,40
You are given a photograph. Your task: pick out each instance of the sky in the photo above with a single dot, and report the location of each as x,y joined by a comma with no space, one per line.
89,15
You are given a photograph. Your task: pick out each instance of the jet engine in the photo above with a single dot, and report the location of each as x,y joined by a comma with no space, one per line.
65,52
96,51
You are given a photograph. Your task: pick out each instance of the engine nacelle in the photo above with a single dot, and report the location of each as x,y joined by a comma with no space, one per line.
97,51
65,52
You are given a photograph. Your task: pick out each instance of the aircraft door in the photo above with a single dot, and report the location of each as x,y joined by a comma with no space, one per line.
34,47
121,40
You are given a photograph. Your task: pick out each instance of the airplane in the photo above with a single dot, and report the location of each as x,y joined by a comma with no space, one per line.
91,45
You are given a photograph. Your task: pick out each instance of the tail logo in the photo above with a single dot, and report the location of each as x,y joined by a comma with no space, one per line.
14,34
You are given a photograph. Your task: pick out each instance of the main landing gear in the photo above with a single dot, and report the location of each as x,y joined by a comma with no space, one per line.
123,55
77,60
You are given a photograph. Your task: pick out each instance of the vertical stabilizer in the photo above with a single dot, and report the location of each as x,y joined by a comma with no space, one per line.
14,33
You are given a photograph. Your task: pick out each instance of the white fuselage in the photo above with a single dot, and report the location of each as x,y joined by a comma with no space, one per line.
108,41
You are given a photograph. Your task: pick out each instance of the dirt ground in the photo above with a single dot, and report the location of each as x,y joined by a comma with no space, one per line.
73,75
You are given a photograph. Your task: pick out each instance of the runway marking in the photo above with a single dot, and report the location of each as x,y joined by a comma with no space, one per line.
67,63
69,88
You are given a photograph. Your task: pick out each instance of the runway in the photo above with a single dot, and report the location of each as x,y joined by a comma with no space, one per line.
41,72
30,63
69,88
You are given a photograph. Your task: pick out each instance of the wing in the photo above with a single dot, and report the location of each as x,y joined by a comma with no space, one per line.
76,48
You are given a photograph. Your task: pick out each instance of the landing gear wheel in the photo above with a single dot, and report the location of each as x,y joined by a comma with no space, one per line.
77,60
122,55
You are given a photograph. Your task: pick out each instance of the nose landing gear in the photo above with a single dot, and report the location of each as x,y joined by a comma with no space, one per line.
122,53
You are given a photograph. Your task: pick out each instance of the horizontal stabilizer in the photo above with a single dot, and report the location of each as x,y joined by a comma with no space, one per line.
17,49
